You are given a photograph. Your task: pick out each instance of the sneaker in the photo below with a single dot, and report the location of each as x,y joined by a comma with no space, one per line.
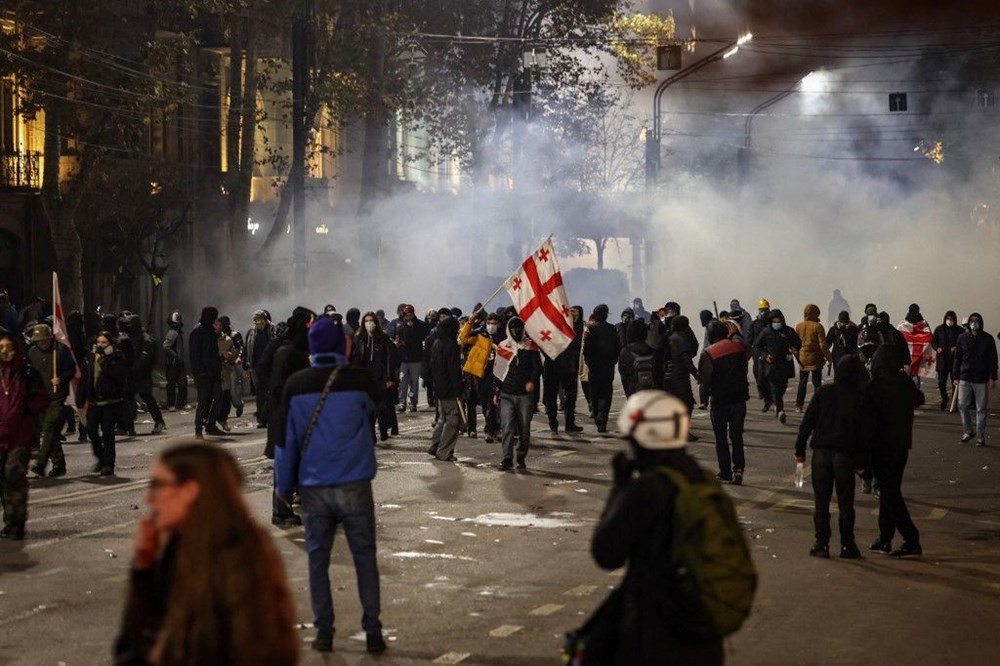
738,478
159,427
723,478
261,425
214,432
171,408
907,550
506,465
56,472
12,532
413,409
966,437
880,546
782,417
821,550
225,426
37,470
702,406
107,470
766,408
401,409
520,464
553,426
980,442
602,427
433,451
850,552
572,427
489,439
239,411
798,409
286,521
323,642
374,642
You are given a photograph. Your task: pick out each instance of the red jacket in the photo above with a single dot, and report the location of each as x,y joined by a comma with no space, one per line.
22,398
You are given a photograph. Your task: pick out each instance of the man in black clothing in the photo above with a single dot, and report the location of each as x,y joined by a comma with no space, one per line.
410,336
141,373
518,382
563,374
945,342
206,366
831,425
974,373
777,345
257,341
722,370
842,338
757,326
446,370
634,530
638,364
601,354
176,367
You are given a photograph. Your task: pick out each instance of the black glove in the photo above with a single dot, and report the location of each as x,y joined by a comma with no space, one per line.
622,467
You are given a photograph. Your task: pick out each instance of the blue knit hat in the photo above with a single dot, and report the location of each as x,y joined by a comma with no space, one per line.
326,336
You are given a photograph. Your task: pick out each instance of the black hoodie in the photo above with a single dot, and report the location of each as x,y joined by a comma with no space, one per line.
888,404
203,346
833,417
945,341
976,355
446,361
776,347
291,356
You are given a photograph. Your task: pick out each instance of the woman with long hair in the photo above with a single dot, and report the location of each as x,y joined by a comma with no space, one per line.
207,583
373,349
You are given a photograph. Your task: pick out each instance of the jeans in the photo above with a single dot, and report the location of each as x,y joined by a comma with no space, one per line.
101,422
446,431
515,419
177,387
727,423
409,383
892,512
980,393
323,508
833,469
817,381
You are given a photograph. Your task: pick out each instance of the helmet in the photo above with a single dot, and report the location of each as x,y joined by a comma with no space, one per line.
655,420
762,304
40,332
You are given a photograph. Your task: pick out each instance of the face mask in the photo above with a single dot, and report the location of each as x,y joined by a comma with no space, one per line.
370,326
973,326
7,355
775,325
871,319
491,329
258,324
517,334
950,323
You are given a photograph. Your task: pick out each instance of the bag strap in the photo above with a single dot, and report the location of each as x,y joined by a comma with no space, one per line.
319,408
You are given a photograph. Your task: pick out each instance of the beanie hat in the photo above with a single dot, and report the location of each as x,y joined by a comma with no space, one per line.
326,336
913,314
844,316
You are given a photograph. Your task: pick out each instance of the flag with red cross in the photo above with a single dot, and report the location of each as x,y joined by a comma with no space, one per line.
540,298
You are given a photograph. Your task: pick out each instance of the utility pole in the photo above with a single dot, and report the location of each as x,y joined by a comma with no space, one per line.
300,90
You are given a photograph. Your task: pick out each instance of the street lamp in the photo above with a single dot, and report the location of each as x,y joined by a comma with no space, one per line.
744,155
653,137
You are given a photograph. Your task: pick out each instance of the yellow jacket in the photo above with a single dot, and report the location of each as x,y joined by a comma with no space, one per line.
814,351
479,354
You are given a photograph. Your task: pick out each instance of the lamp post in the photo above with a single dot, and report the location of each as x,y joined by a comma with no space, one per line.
653,137
744,153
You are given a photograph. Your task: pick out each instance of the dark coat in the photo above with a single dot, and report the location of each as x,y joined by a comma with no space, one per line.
602,350
842,341
833,418
109,386
945,341
975,358
446,361
410,340
636,529
379,355
887,406
24,398
776,348
203,347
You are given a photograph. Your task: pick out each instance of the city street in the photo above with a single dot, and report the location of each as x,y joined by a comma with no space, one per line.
480,566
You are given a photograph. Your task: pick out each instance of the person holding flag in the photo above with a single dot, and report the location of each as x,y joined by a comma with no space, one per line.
518,367
48,357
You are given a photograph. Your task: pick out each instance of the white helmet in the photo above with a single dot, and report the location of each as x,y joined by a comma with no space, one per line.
655,420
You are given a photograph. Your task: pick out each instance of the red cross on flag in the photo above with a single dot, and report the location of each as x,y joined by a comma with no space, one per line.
540,298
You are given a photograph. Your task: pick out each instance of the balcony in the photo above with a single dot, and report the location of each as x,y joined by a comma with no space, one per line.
20,170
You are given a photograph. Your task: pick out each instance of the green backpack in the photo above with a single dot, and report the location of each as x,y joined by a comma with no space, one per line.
714,575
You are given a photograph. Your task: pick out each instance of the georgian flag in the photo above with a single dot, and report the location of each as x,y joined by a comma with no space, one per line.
61,335
540,298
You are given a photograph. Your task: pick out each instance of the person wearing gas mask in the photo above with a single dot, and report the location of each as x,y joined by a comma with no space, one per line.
842,339
518,367
103,392
176,367
974,373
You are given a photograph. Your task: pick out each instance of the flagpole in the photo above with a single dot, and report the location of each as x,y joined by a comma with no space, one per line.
504,283
55,297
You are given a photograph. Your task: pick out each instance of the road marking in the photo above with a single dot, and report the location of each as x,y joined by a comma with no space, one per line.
452,657
580,591
505,630
547,609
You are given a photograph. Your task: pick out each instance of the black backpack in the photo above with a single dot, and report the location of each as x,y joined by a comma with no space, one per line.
642,367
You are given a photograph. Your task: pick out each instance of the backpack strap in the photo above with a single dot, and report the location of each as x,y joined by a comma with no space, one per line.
314,419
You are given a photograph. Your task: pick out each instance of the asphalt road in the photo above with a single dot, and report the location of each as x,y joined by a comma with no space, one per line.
480,566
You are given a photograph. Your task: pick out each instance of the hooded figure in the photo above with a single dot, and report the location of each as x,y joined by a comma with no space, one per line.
446,369
353,322
518,367
813,352
945,341
887,423
206,366
291,356
832,425
975,372
639,366
777,344
601,353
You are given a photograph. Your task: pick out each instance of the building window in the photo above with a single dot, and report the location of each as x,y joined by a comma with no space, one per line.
986,98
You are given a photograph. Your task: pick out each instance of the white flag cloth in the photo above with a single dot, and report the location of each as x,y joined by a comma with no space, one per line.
540,298
61,335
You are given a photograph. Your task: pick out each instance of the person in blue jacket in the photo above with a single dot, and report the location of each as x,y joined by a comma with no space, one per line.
329,455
